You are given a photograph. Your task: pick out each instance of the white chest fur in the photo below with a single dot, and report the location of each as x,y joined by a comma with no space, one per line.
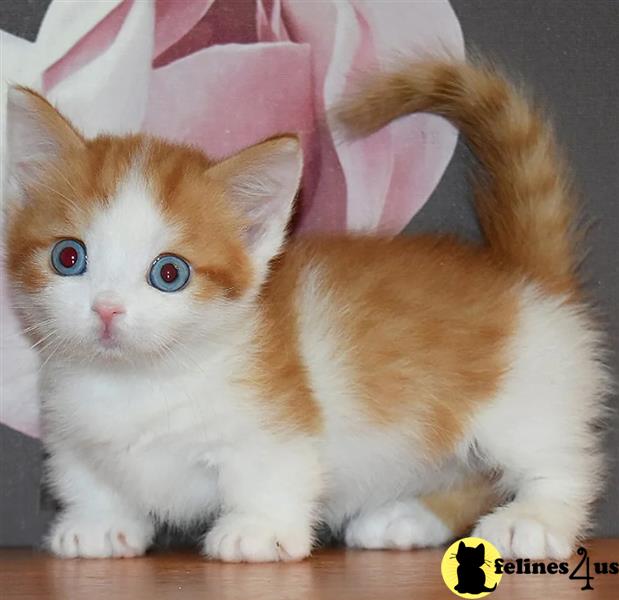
159,440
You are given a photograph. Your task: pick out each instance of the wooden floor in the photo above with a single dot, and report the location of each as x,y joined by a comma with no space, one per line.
336,574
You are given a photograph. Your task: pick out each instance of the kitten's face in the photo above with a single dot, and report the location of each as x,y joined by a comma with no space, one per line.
130,248
471,556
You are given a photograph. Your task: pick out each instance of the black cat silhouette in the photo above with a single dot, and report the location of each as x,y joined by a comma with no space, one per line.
471,577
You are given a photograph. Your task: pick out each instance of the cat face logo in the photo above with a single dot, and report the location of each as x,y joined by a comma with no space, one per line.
468,568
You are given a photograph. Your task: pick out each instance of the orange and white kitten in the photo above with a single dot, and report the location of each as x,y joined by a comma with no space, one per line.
193,366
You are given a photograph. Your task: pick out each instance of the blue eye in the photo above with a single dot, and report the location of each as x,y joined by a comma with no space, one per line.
169,273
69,257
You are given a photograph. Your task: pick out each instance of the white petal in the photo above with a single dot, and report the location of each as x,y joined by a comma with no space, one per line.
65,23
110,93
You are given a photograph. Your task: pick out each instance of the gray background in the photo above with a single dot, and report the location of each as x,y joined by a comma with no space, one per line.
568,52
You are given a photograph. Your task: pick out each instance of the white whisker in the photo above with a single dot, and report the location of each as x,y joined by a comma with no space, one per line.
58,345
43,339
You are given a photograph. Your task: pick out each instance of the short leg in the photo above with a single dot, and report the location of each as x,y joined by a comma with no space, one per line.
95,522
554,483
554,475
539,433
269,494
400,525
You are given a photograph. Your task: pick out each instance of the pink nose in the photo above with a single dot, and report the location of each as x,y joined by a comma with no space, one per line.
107,311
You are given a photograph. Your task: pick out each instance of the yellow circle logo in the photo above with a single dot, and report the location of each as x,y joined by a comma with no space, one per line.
468,568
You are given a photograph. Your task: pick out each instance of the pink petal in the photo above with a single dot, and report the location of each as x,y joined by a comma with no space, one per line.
324,200
175,19
270,28
422,144
371,184
426,145
366,164
224,23
232,22
263,25
226,97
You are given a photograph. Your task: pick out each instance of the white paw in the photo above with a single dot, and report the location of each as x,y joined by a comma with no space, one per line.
400,526
239,538
518,535
93,537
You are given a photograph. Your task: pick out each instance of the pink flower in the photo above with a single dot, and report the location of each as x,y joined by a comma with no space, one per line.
223,75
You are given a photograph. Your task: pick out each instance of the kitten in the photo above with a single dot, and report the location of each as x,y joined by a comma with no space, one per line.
471,576
193,367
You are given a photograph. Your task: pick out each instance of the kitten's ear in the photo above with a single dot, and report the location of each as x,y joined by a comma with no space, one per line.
262,182
461,546
480,548
36,135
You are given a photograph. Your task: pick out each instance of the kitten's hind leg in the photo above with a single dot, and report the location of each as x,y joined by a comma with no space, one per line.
554,486
552,503
539,431
399,525
430,520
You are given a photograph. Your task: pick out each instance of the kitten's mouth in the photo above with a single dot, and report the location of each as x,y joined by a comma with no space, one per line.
108,339
109,343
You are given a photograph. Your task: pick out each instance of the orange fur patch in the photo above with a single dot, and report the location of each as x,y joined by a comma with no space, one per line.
424,322
461,506
279,369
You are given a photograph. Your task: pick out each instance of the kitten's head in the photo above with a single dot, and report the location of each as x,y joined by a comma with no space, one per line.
471,556
128,247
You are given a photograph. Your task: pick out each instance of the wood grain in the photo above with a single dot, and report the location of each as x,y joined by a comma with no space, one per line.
329,574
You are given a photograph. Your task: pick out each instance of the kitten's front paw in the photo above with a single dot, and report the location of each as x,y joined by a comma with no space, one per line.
92,537
519,535
240,538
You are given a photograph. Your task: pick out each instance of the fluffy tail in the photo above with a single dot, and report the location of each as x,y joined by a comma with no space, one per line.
524,200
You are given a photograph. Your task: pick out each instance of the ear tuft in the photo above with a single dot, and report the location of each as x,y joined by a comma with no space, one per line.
36,134
262,183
